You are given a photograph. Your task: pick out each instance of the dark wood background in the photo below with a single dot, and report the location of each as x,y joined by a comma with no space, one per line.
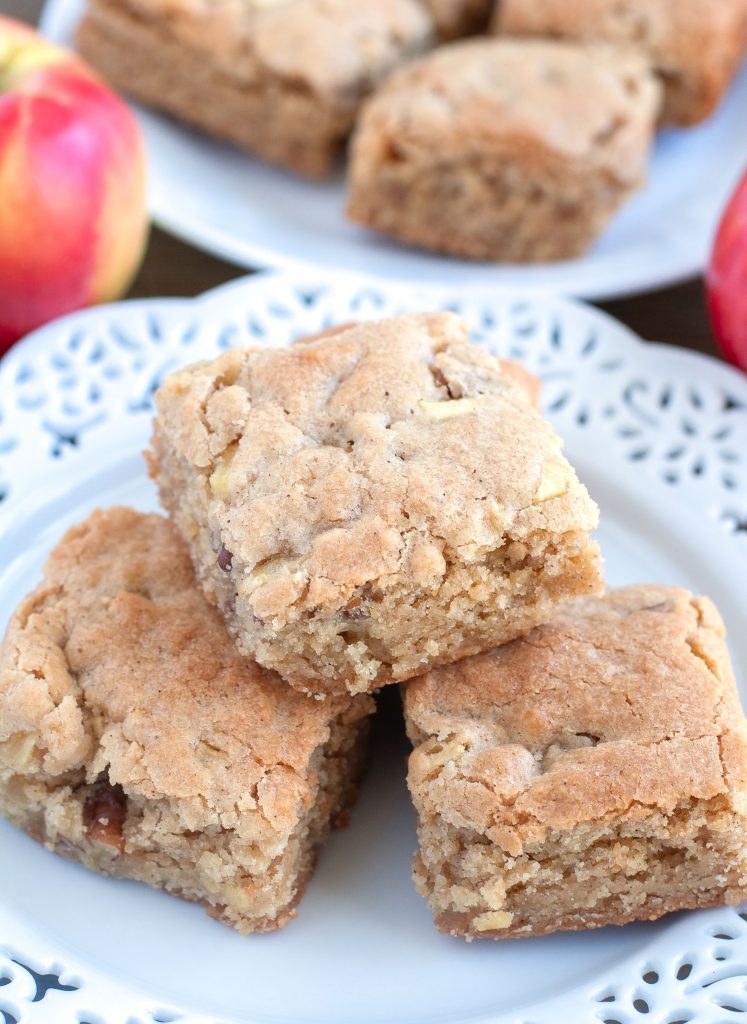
171,267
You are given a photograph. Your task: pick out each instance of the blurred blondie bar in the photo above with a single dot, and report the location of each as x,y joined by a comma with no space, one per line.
504,150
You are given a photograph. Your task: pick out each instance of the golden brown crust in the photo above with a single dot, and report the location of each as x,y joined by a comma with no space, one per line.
462,151
621,700
531,384
414,477
119,632
128,720
621,714
695,45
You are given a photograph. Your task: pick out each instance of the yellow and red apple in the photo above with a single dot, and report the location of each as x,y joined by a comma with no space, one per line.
726,279
73,222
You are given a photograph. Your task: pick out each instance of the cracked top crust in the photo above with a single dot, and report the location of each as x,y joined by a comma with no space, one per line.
622,705
116,664
370,458
538,102
333,48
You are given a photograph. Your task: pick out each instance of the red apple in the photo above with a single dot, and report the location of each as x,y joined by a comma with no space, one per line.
726,279
73,221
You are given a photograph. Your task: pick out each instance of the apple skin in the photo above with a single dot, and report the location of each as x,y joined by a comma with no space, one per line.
73,220
726,279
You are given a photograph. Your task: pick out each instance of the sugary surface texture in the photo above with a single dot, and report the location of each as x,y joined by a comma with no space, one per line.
695,45
502,149
591,773
363,505
120,688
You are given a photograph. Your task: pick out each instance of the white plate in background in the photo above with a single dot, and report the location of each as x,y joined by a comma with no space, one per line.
229,204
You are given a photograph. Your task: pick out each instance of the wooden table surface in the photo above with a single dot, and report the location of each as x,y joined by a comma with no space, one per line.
171,267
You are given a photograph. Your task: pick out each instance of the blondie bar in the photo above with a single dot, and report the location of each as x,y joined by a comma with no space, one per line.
696,46
135,740
363,506
592,773
280,78
504,150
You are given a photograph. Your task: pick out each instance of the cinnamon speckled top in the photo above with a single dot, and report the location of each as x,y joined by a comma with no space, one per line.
116,664
371,456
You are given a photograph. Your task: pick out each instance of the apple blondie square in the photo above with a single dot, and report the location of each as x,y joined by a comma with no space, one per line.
365,505
504,150
695,46
135,740
591,773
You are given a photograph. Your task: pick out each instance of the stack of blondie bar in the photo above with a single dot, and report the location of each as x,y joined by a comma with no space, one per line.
515,146
184,700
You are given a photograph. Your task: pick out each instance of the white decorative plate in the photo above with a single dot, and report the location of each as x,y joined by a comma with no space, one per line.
261,217
659,435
